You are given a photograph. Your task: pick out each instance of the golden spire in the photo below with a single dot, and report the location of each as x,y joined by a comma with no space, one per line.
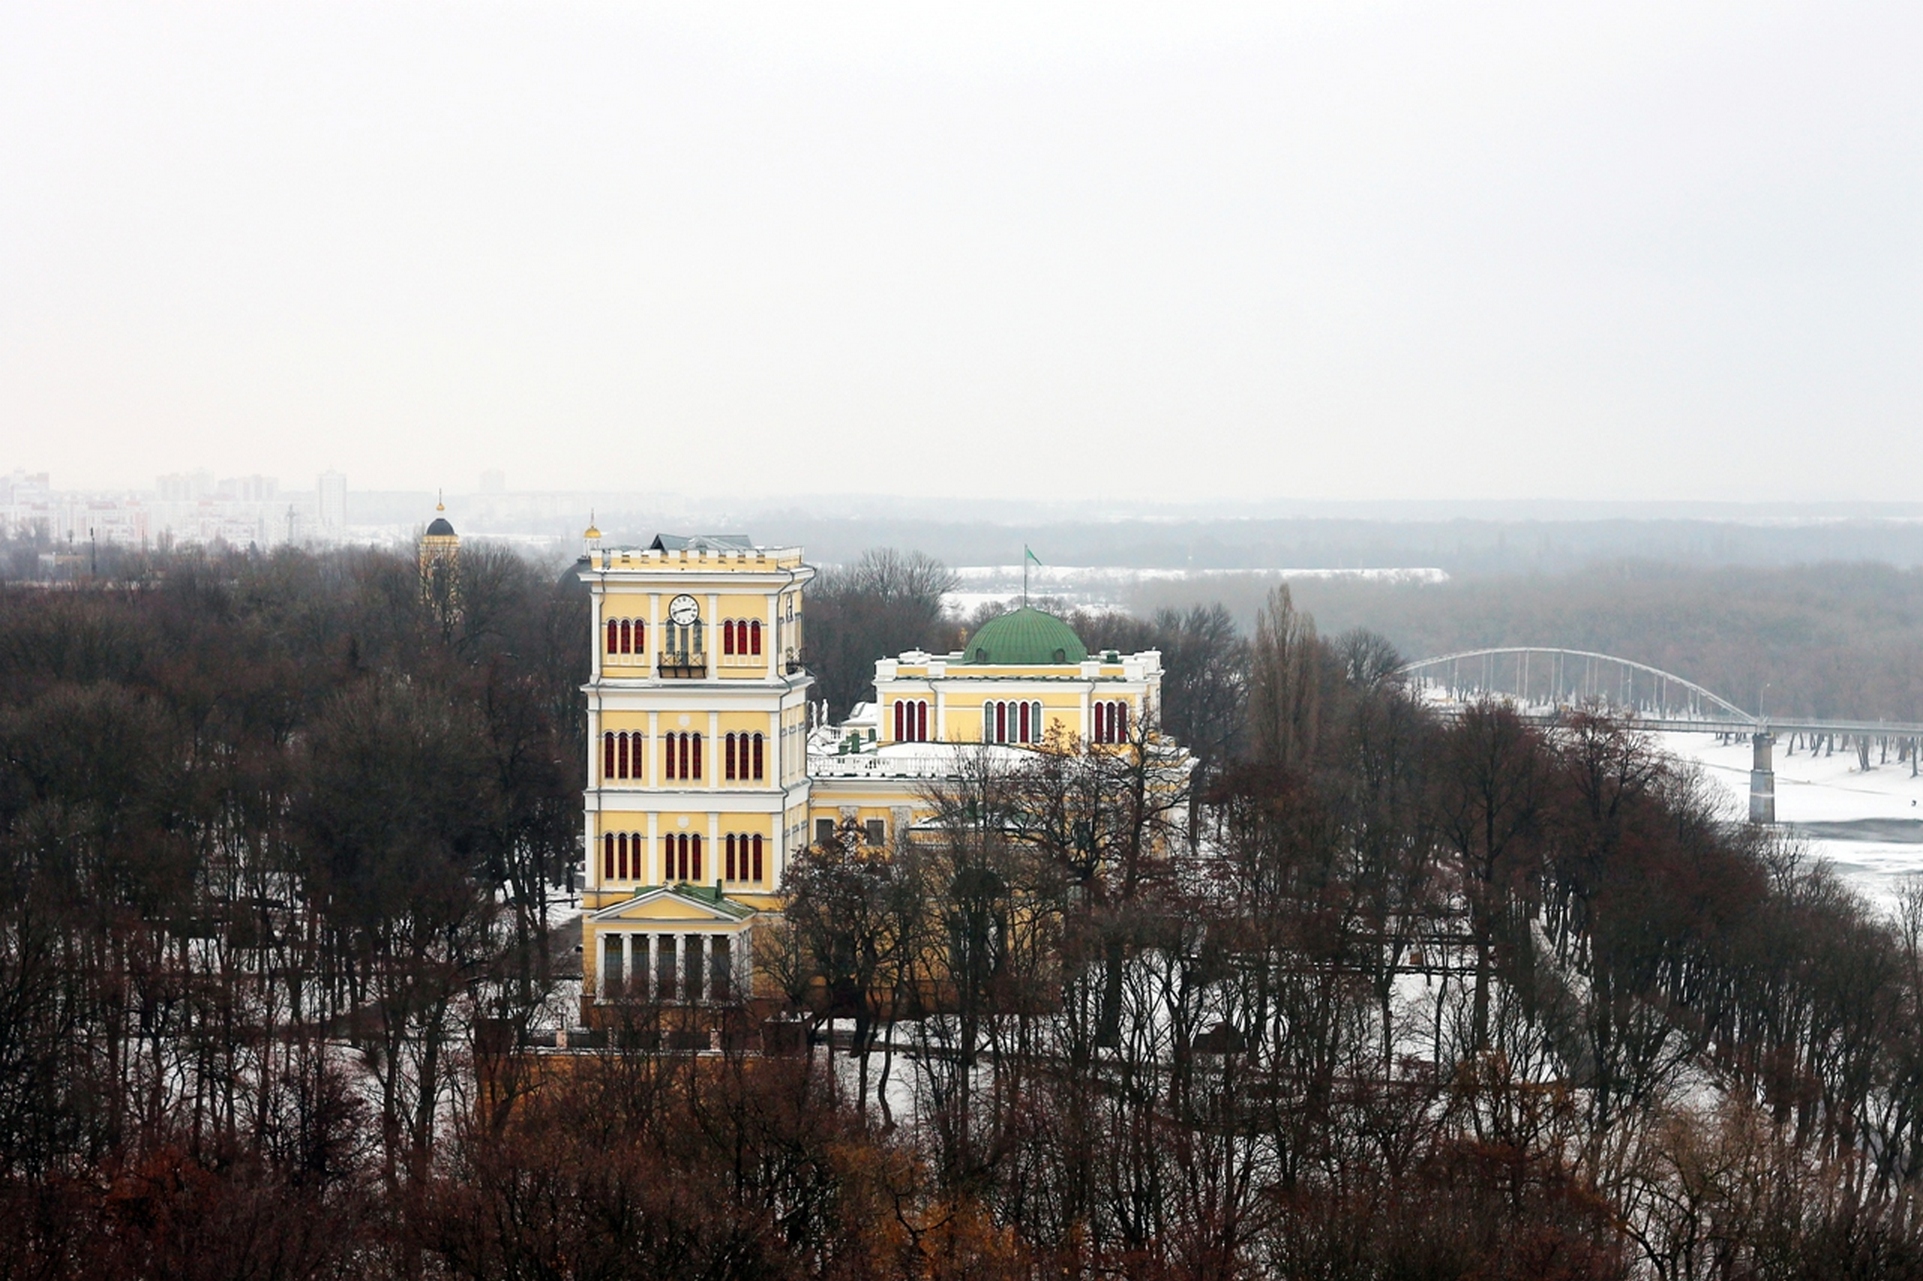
439,505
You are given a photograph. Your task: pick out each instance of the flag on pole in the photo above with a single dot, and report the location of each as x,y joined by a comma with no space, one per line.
1028,554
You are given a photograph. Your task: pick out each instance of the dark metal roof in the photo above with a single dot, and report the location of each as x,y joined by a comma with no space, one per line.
701,542
440,528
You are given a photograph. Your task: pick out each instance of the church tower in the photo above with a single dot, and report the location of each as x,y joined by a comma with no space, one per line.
440,562
698,777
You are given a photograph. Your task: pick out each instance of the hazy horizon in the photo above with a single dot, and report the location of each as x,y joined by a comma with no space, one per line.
1255,255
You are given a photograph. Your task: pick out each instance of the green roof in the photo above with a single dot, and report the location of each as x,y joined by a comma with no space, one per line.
1025,638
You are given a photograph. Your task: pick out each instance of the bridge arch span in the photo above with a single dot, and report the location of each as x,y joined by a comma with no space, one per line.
1537,675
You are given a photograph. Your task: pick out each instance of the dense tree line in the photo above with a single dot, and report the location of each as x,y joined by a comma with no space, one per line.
1836,639
1397,997
882,604
1438,999
275,833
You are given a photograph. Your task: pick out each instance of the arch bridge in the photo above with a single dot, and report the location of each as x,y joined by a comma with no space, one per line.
1547,684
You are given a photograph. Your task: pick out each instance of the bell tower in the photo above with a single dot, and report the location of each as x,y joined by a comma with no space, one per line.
440,564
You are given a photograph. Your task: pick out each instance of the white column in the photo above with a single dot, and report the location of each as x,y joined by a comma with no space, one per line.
591,874
654,748
771,639
595,780
647,957
711,637
654,633
597,597
627,960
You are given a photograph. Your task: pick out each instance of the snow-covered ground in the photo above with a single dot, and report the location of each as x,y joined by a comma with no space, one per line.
1868,825
1100,587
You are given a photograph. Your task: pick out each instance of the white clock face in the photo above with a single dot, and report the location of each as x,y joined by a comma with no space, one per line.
682,611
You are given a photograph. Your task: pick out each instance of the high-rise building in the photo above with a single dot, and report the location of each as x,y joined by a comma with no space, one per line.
332,506
184,487
248,489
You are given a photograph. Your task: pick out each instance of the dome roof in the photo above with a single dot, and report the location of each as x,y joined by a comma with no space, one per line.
1025,638
440,528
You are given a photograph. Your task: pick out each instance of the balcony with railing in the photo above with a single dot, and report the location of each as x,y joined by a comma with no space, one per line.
685,664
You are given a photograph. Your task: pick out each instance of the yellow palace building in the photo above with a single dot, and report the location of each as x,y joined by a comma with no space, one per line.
708,773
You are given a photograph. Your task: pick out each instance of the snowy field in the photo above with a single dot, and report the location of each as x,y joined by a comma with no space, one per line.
1868,825
1102,587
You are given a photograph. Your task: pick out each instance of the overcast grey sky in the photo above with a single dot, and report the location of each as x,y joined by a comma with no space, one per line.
1353,250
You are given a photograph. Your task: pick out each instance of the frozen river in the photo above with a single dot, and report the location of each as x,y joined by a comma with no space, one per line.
1869,825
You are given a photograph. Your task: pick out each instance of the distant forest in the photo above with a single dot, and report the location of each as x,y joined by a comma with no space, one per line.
1839,639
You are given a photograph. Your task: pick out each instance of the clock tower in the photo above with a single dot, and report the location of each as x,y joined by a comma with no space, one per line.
698,779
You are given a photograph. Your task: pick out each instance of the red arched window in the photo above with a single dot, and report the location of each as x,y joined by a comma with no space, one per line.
667,858
696,755
1001,722
756,843
614,636
727,756
921,720
757,756
730,862
607,857
1121,722
695,857
899,709
607,756
627,636
754,636
621,757
727,636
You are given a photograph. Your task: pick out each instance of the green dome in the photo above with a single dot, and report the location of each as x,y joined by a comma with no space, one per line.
1025,638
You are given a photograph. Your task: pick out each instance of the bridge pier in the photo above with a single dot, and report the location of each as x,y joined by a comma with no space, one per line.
1762,779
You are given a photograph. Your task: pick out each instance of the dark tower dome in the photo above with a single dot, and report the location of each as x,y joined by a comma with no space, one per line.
440,528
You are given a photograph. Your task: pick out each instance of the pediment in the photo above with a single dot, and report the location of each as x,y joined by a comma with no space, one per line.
667,904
